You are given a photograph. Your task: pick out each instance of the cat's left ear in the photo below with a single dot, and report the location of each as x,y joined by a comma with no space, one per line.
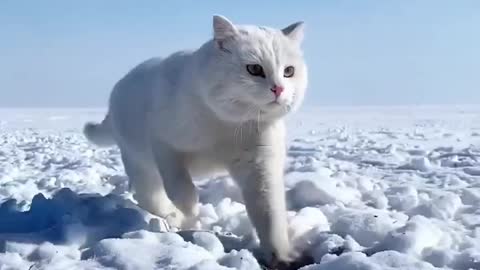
295,31
223,28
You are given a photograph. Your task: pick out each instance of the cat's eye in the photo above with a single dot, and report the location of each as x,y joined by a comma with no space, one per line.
256,70
288,72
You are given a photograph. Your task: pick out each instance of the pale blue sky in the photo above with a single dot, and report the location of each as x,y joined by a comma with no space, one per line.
70,53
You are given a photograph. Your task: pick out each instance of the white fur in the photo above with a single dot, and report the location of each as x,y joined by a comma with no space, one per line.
194,113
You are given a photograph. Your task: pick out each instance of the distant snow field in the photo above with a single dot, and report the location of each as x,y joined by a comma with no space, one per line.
368,188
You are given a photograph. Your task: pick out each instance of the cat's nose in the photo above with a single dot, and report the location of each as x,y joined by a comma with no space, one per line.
277,90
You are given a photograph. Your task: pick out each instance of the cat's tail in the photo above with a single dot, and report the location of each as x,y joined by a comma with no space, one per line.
99,133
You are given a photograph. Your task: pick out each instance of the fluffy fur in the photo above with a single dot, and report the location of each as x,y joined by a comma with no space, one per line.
196,113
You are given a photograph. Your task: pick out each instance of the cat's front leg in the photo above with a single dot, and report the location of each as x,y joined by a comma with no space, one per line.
258,170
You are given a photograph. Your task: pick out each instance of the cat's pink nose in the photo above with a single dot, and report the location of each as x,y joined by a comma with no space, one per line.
277,90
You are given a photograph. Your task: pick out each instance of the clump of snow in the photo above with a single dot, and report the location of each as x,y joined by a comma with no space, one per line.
303,224
233,217
209,242
158,250
437,257
376,199
306,219
325,243
168,250
418,234
9,260
421,164
68,217
471,196
442,207
403,197
386,260
310,193
472,171
367,227
467,259
242,259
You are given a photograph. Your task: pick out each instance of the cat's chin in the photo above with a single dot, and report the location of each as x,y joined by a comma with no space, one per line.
276,106
274,111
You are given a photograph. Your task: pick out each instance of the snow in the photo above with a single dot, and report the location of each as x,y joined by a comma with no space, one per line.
367,187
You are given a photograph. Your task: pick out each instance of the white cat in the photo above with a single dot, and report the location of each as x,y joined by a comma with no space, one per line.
217,108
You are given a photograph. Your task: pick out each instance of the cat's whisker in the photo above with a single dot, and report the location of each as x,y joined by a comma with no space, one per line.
255,111
252,127
258,120
239,139
248,114
235,131
241,134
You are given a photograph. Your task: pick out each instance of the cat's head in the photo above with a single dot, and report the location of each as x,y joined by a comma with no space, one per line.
256,72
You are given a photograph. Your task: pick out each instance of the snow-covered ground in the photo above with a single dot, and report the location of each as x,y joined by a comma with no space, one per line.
369,188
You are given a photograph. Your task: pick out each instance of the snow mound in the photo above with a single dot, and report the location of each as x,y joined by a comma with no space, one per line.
367,228
70,218
387,260
167,251
88,231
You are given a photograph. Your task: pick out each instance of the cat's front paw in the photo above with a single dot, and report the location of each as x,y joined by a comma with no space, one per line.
271,259
283,259
191,223
182,222
294,260
175,220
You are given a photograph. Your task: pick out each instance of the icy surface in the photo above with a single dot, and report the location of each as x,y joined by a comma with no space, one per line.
368,188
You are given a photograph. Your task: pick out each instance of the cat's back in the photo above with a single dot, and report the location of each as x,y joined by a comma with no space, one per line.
150,86
155,75
155,70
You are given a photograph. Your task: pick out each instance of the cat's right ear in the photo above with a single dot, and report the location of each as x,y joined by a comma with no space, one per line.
223,29
294,31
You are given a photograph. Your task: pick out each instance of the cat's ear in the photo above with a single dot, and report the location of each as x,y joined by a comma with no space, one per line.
223,28
294,31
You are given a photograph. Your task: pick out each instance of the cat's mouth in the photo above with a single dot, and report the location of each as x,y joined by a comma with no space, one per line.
274,103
